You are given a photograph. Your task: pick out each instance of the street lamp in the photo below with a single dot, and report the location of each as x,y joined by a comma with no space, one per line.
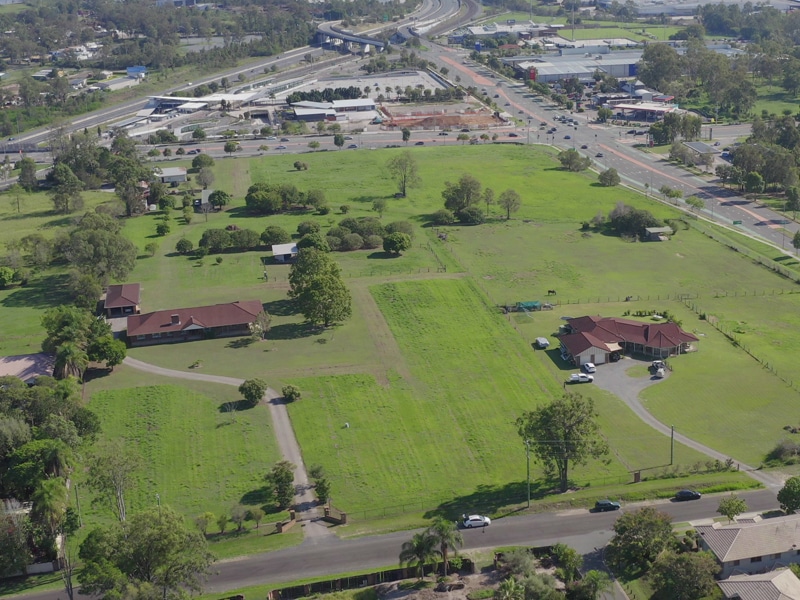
528,464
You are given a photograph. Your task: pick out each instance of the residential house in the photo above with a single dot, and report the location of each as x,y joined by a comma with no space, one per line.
284,252
781,584
755,546
191,324
122,299
598,339
27,366
171,174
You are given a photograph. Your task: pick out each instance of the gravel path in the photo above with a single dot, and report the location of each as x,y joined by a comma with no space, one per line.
305,500
613,378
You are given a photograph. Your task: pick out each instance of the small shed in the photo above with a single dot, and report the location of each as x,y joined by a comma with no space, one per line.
657,234
170,174
122,300
284,252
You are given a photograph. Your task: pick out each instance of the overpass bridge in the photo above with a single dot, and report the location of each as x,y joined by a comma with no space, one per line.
329,33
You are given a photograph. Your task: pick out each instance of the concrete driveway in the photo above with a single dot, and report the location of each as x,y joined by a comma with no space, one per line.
613,378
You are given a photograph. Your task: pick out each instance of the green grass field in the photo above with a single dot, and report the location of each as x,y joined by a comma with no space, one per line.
447,435
196,457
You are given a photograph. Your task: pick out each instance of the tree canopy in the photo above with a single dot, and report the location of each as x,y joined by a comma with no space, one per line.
404,170
563,433
639,537
316,286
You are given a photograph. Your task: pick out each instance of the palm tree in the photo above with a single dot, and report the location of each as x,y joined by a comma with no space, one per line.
447,536
420,551
70,360
49,504
510,589
57,459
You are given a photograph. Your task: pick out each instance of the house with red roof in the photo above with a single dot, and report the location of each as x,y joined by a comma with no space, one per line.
191,324
122,299
598,339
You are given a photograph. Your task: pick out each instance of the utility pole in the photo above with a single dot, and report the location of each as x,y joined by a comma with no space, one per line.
672,444
528,462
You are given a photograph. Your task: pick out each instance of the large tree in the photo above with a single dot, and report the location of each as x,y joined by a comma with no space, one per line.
465,193
510,201
684,576
563,433
660,66
789,495
732,507
317,288
572,160
101,253
404,170
281,478
153,551
639,537
27,175
252,390
111,468
66,189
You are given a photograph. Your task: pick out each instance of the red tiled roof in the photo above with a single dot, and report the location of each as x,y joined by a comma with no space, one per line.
205,317
612,329
580,342
119,296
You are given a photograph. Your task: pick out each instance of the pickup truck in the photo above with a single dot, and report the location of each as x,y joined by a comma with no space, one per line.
580,378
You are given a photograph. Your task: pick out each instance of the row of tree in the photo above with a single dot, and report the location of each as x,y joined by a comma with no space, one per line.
461,200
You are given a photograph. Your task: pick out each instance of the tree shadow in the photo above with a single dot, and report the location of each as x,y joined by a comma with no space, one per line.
41,292
491,499
293,331
382,255
280,308
367,199
240,212
235,406
242,342
259,497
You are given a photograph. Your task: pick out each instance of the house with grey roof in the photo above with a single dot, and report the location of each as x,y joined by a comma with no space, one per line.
781,584
754,547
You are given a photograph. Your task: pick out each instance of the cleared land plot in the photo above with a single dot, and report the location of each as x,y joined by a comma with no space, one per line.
197,457
446,434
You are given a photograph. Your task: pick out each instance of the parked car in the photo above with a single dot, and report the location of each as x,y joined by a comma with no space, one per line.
688,495
589,367
580,378
471,521
606,505
542,342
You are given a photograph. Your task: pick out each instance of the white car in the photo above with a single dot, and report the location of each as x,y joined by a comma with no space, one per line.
589,367
580,378
471,521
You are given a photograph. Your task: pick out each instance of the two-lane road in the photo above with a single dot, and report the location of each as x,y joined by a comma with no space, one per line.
318,557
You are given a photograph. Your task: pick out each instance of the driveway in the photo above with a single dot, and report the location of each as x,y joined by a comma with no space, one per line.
613,378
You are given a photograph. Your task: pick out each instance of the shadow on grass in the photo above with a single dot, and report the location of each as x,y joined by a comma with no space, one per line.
293,331
280,308
235,406
243,342
258,497
491,499
19,585
382,255
42,292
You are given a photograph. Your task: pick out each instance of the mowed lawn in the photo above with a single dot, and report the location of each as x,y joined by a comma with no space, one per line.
446,428
196,457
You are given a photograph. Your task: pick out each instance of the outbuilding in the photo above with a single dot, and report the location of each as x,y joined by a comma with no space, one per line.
171,174
284,252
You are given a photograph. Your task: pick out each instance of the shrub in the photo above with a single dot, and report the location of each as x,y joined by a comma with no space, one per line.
352,241
401,227
471,215
334,243
443,217
184,246
291,393
275,235
339,232
373,241
396,243
307,227
609,178
370,226
323,210
344,209
162,229
313,240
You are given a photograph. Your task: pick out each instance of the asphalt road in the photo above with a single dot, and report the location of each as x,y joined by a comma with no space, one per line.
583,530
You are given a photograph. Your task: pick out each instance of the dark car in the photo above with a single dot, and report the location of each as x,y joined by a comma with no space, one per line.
631,132
420,144
284,139
687,495
512,134
606,505
465,130
443,133
599,155
584,147
567,137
